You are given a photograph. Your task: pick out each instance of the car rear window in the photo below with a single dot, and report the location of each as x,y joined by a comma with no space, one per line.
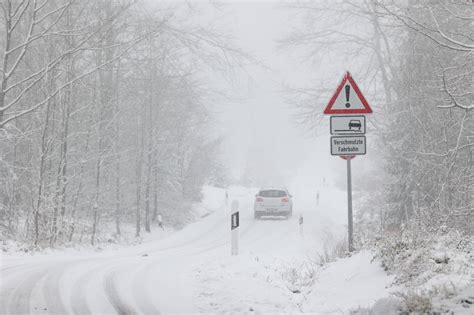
272,193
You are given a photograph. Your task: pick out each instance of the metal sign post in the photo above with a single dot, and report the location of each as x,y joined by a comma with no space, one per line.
349,207
234,227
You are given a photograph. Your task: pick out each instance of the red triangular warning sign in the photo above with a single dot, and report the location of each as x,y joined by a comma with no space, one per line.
348,99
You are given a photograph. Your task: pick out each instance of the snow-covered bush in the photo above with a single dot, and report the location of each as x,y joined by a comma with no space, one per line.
333,248
302,275
415,303
386,306
11,246
414,256
437,264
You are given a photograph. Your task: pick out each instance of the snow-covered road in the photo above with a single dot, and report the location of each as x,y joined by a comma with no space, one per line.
183,273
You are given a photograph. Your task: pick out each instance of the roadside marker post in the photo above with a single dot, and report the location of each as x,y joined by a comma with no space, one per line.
234,227
348,129
300,222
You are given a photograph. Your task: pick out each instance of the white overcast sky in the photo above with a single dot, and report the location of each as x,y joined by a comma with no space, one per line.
263,121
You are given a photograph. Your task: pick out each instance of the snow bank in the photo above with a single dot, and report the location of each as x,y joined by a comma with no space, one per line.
243,284
268,285
213,200
435,269
348,284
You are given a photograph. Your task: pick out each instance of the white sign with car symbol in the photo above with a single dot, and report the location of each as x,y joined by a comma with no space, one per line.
347,125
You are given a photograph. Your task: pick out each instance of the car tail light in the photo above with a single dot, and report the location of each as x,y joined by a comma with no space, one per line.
285,199
259,199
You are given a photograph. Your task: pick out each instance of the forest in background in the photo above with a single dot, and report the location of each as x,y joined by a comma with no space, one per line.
104,117
418,72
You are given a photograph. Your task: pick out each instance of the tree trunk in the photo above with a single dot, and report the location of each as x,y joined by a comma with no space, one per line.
117,197
12,198
44,151
81,178
118,156
95,206
155,196
147,195
139,187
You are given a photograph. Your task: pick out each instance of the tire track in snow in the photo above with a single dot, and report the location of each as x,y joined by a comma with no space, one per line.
51,290
140,281
114,297
18,300
13,268
14,272
10,283
78,299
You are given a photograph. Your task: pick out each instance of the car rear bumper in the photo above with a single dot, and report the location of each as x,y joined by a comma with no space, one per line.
270,210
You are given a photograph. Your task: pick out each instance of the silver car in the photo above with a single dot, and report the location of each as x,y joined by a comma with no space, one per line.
273,202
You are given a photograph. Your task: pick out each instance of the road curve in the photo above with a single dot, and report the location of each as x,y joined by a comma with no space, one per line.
151,278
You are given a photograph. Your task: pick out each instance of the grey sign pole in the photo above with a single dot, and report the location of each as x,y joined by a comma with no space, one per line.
349,205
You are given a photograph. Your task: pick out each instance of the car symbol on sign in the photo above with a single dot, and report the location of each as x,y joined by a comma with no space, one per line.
355,124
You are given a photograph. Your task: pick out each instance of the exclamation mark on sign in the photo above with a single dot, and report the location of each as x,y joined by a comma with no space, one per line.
348,91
